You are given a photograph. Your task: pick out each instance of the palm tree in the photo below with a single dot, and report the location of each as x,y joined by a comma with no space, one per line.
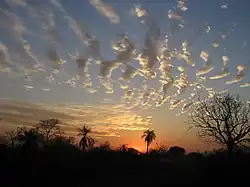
149,136
86,141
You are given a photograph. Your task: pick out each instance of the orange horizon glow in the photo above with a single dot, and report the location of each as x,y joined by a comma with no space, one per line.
138,148
124,127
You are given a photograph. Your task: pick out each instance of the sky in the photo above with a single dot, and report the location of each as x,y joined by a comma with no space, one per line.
96,96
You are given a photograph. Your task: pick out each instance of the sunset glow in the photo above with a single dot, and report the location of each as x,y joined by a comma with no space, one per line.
121,67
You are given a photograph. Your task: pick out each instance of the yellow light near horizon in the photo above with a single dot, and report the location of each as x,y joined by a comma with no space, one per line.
138,148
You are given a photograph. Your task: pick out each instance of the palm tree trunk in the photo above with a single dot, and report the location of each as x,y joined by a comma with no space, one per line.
147,147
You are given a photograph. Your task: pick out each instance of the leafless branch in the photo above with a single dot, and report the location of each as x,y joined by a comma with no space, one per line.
224,118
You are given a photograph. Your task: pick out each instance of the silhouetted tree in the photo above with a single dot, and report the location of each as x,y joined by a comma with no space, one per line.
105,146
124,148
149,136
11,138
176,151
224,118
161,148
29,138
85,141
49,128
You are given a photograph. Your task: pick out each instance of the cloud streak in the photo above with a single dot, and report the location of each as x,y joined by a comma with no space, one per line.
106,120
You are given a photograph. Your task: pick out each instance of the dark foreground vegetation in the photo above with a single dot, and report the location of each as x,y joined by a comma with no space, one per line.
59,163
43,156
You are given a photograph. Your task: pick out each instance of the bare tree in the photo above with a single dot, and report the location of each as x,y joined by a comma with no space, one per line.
161,148
224,119
49,128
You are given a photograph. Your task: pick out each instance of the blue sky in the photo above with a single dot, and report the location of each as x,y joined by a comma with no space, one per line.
199,14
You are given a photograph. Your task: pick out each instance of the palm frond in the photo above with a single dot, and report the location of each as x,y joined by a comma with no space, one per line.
79,134
144,135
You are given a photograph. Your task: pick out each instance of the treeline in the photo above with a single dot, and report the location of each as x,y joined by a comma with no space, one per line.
45,155
47,133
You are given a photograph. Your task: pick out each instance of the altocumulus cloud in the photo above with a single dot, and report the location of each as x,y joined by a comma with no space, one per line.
106,120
